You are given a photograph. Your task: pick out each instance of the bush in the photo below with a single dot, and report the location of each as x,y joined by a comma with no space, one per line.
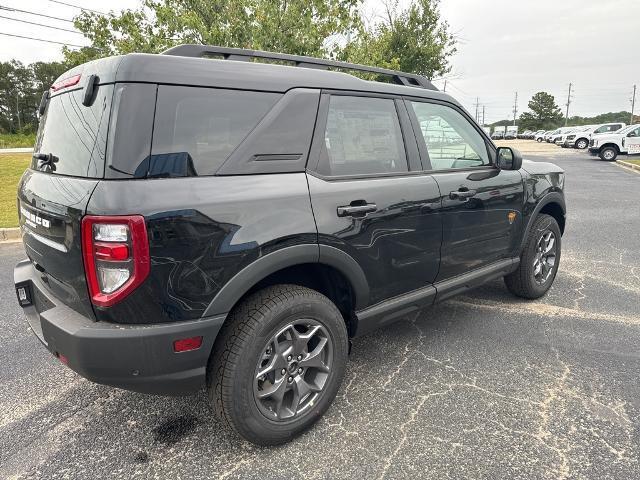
17,140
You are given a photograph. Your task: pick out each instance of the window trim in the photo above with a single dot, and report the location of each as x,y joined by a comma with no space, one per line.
422,144
317,143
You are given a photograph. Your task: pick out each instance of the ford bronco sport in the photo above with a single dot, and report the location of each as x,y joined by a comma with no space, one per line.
229,223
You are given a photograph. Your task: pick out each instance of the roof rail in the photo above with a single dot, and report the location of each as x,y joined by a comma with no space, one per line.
240,54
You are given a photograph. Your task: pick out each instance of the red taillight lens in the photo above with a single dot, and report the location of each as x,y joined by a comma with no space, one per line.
66,82
187,344
116,256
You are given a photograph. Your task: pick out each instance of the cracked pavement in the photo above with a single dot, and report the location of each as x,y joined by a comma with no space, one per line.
483,386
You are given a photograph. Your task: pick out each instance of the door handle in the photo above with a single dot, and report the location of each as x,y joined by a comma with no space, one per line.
461,194
355,210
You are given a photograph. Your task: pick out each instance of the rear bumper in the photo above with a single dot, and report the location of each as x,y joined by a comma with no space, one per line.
133,357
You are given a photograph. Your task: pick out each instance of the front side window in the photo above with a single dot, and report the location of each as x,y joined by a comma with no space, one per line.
362,137
196,129
451,140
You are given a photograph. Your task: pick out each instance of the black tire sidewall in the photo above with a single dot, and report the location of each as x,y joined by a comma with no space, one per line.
246,415
544,223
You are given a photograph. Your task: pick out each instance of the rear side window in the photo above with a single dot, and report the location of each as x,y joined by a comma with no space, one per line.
196,129
75,135
362,137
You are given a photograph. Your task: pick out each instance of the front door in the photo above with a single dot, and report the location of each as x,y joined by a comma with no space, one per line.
481,204
632,142
366,199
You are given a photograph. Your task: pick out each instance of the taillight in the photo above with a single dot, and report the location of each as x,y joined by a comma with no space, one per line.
116,256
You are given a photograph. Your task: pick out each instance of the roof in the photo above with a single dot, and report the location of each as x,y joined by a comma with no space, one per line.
233,74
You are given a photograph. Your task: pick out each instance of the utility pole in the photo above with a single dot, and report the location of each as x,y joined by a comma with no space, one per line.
633,104
566,117
515,109
18,111
445,85
477,105
483,115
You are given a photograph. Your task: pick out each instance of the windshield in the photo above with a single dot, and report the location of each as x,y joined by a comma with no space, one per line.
72,136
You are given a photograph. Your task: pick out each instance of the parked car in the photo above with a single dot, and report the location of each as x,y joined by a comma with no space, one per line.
497,135
548,137
231,235
540,136
581,138
609,145
511,135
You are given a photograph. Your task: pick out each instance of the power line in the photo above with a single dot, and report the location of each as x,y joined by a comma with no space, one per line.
79,7
40,24
42,40
11,9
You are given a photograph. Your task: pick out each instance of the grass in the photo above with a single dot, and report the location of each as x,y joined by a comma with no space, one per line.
17,140
635,162
12,165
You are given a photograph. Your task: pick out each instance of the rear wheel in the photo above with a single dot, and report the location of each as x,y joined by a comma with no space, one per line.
278,363
539,139
582,143
539,260
608,154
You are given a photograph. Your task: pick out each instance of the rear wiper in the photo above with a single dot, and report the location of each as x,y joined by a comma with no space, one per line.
46,161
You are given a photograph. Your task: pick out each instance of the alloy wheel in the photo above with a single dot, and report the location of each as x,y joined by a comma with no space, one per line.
293,369
545,257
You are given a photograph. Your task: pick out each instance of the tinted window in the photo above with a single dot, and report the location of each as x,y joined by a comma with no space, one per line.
452,141
362,137
196,129
75,134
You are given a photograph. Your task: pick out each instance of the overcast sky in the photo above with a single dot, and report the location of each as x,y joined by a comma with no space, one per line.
504,46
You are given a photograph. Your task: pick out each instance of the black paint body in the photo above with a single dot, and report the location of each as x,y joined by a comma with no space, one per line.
215,237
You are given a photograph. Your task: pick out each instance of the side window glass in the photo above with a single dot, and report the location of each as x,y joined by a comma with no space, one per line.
196,129
362,137
452,142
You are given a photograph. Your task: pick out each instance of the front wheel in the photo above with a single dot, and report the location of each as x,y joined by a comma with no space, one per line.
608,154
278,363
582,143
539,260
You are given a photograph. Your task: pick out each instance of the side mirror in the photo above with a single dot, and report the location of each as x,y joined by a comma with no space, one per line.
508,158
632,134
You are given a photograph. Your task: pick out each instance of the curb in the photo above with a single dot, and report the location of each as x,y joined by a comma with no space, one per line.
17,150
10,235
632,166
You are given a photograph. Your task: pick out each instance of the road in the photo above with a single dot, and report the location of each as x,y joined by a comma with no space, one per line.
481,386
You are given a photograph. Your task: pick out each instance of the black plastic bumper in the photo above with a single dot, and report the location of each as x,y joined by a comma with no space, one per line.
133,357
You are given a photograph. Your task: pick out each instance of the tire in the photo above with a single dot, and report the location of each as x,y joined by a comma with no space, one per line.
608,154
258,336
582,143
539,139
525,281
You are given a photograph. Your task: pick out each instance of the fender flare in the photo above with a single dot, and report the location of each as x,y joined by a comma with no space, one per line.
290,256
551,197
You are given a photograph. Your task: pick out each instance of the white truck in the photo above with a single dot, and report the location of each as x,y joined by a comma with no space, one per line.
581,139
623,142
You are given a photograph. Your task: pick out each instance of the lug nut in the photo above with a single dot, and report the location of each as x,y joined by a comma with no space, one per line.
299,357
283,371
300,370
290,379
268,352
289,358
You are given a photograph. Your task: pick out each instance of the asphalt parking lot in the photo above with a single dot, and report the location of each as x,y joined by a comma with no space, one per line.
481,386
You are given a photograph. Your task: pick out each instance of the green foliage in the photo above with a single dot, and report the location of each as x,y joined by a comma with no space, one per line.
21,88
301,27
413,40
12,166
544,113
17,140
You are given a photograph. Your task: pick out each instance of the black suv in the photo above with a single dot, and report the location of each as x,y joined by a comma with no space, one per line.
191,221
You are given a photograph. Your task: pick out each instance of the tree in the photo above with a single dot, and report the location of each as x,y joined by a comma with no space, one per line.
413,40
544,113
301,27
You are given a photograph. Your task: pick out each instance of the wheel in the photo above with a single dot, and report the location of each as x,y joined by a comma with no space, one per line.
539,260
608,154
582,143
539,139
277,363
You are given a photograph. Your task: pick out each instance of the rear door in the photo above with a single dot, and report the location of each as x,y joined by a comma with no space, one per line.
481,205
369,196
68,160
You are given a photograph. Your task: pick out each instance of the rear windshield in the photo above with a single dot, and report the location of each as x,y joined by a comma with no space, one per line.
74,134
